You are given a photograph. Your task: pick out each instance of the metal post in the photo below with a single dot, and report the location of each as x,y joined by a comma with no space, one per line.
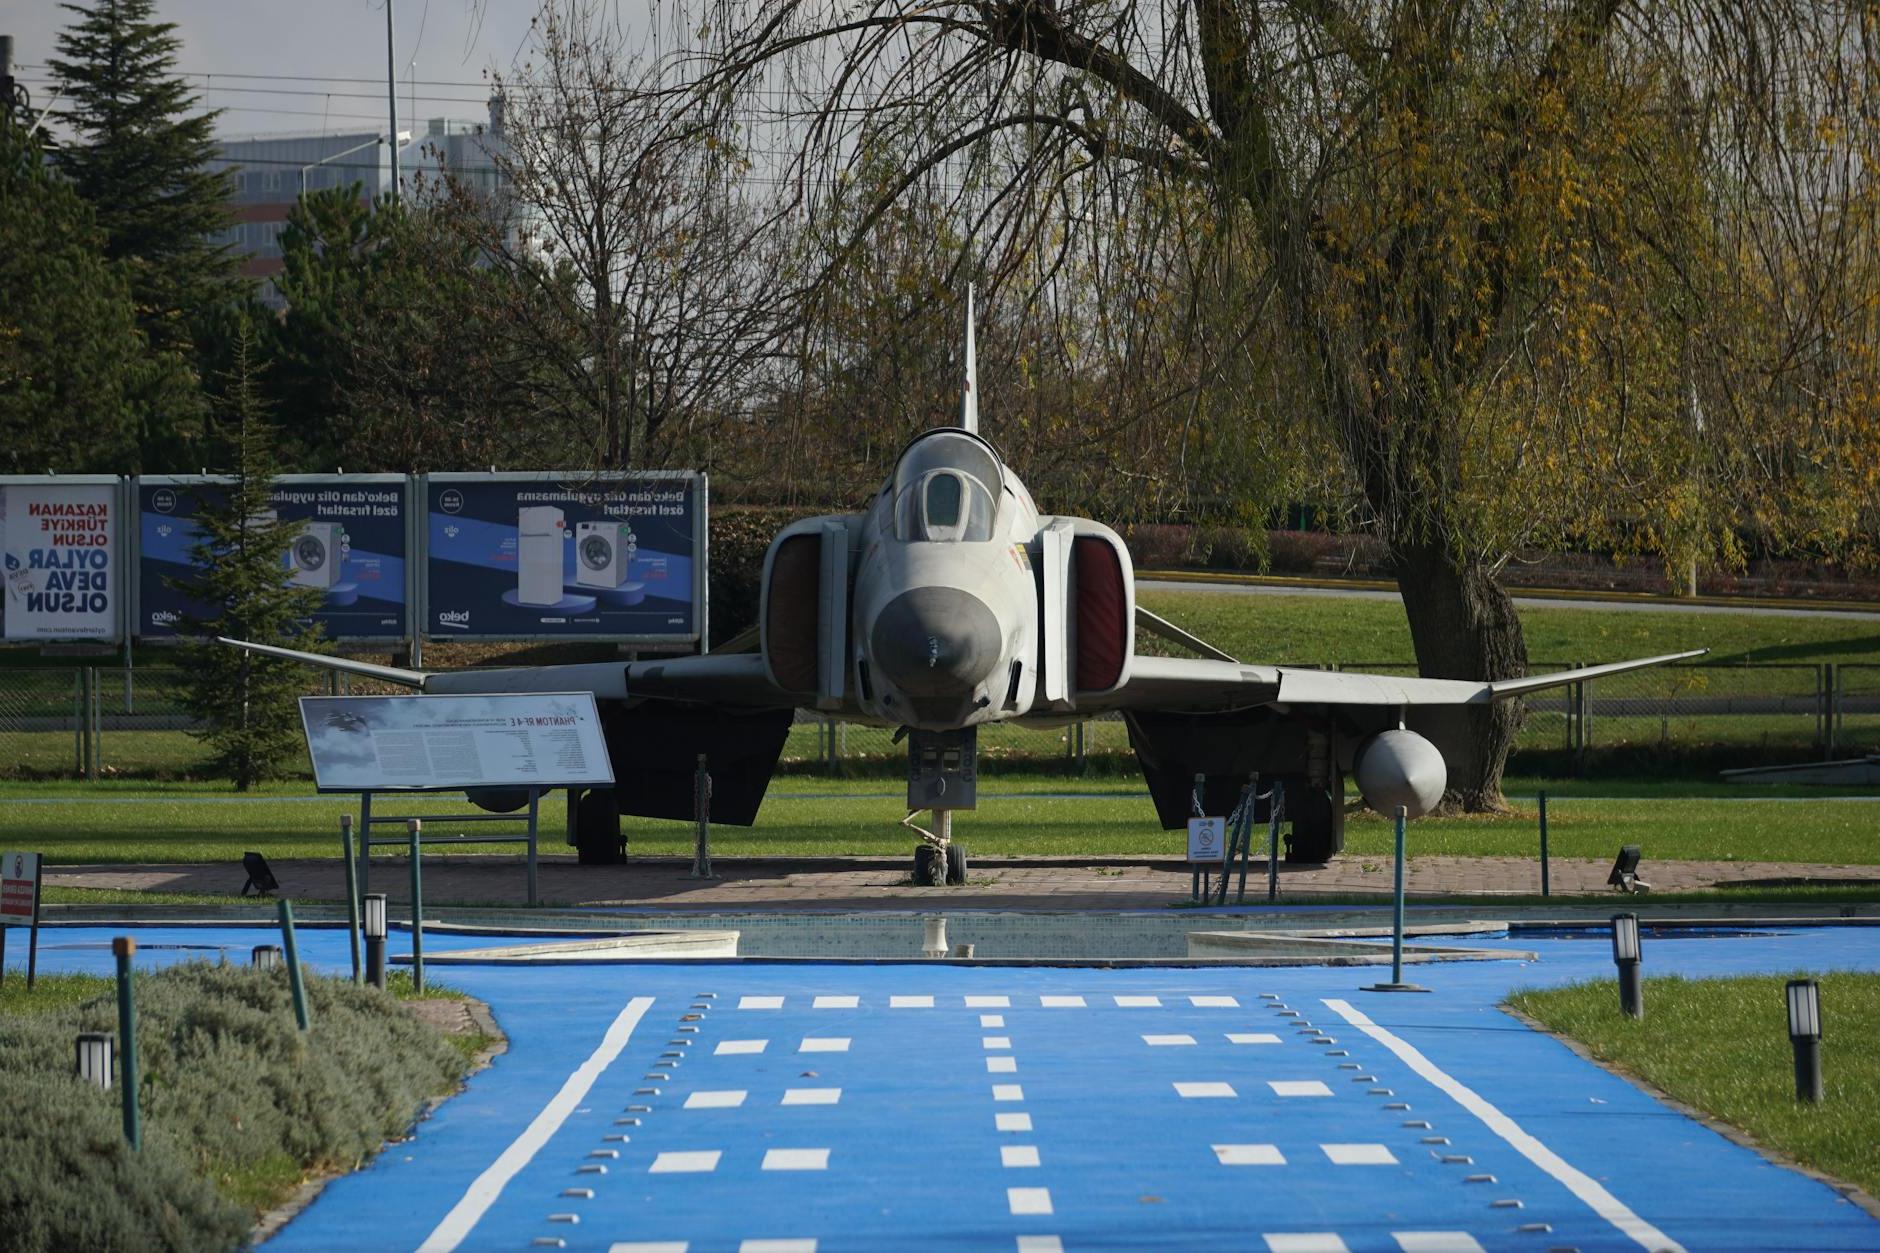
122,947
1396,905
1545,886
1275,806
1246,838
1808,1081
293,964
1195,805
702,814
352,890
365,843
535,813
415,828
78,721
391,95
95,715
1631,994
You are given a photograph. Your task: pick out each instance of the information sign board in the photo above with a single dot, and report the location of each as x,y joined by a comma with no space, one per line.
616,557
354,545
59,558
419,743
19,889
1207,840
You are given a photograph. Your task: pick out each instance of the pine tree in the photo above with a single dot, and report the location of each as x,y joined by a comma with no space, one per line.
140,154
244,701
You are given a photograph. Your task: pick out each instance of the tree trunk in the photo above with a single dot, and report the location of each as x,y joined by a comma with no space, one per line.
1464,626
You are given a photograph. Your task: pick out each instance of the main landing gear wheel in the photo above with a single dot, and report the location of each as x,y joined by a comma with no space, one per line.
956,865
930,866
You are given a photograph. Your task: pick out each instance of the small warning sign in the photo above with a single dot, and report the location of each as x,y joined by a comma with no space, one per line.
1207,839
19,888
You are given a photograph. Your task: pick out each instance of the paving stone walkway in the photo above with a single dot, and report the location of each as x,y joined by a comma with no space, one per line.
882,883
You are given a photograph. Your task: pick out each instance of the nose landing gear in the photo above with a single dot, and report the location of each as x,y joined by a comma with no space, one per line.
937,859
942,775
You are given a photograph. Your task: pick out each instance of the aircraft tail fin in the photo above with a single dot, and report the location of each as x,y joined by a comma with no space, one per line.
969,401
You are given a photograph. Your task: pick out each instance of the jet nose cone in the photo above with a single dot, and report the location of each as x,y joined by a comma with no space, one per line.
935,641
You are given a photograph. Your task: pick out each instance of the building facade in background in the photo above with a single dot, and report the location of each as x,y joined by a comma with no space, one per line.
270,172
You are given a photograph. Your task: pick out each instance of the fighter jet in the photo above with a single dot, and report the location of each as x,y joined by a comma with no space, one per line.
951,603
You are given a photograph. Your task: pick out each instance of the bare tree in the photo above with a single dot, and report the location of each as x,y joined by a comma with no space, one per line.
1489,239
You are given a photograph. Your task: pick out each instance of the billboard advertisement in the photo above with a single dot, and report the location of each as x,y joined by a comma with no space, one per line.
378,743
354,545
616,557
59,550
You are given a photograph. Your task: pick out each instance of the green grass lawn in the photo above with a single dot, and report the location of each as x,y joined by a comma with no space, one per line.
1722,1046
125,822
1308,630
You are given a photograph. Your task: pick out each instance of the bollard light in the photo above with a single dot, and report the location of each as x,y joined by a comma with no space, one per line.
374,920
1626,956
265,957
94,1058
1804,996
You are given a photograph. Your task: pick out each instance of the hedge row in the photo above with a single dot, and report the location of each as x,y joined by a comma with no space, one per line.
231,1091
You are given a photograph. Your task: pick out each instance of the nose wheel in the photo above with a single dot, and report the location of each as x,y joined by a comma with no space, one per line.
938,860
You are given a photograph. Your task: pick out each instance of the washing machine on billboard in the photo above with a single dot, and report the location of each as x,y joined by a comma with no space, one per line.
603,553
317,555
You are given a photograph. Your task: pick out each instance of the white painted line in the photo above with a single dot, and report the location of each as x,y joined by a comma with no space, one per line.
1358,1154
760,1002
796,1159
836,1002
1167,1040
995,1041
1602,1202
1018,1155
696,1163
1040,1244
1061,1002
1305,1242
777,1246
1252,1037
648,1246
729,1098
910,1002
1214,1002
1298,1087
1001,1065
1248,1154
739,1046
1029,1200
811,1096
1012,1122
988,1002
1007,1092
484,1190
824,1044
1205,1089
1436,1242
1138,1002
992,1020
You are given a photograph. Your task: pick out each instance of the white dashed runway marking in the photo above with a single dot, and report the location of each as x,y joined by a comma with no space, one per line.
740,1046
992,1020
1298,1087
1007,1092
1306,1242
796,1159
1249,1155
910,1002
1040,1244
729,1099
1018,1155
1165,1040
1138,1002
995,1042
760,1002
824,1044
1061,1002
1214,1002
1029,1200
811,1096
1012,1122
1001,1065
988,1002
837,1002
685,1163
777,1246
1193,1090
1251,1037
1358,1155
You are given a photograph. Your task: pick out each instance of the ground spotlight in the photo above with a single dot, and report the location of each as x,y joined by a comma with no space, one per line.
94,1058
1804,997
265,957
1626,956
373,918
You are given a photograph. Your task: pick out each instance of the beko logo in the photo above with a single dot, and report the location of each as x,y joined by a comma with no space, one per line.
459,618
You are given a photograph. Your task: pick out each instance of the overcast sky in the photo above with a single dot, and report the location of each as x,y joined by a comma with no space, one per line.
321,43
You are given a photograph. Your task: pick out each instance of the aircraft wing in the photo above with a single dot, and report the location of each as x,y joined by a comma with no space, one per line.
1194,684
735,680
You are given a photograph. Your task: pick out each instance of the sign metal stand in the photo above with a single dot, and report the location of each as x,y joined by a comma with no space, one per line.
19,906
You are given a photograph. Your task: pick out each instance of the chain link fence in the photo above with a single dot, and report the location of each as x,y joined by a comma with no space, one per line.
99,721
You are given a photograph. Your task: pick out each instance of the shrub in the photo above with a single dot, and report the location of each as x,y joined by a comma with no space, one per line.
236,1102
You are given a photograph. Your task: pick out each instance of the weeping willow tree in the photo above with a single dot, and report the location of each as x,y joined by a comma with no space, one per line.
1487,275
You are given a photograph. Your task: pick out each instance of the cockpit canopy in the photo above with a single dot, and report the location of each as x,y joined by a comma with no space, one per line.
947,489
